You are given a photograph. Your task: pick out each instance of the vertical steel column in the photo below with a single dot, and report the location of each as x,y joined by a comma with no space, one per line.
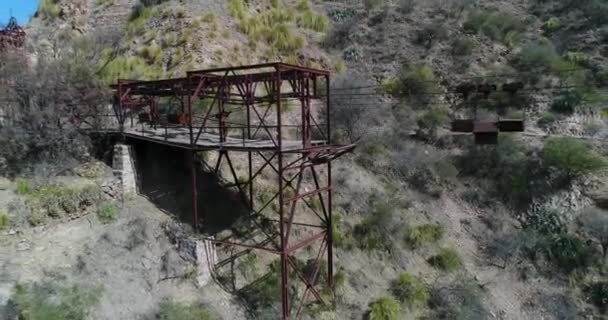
192,155
189,84
194,190
249,92
330,241
284,245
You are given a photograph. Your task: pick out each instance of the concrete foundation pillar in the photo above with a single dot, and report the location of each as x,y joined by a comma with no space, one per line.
124,168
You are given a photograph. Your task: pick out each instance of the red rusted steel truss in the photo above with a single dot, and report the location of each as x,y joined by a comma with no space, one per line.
12,36
243,109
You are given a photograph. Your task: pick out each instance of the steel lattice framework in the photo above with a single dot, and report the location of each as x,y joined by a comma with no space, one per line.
12,36
241,109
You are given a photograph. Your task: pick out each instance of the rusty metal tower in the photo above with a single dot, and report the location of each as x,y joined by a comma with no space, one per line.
12,36
243,110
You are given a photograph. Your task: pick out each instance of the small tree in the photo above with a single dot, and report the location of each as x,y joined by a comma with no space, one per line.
416,83
571,157
351,107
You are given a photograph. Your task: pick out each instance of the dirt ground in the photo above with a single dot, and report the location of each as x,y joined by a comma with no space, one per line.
125,258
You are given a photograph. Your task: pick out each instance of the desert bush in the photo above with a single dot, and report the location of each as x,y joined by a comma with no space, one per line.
349,114
415,82
106,212
431,121
517,177
4,220
595,223
460,300
546,221
373,232
105,3
462,46
42,129
337,234
384,308
546,120
418,236
430,34
499,26
24,186
262,297
53,301
249,265
571,157
410,290
567,252
316,22
552,24
598,294
180,311
447,259
151,54
49,8
339,34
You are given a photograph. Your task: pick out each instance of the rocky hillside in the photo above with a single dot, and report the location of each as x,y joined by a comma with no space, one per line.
431,226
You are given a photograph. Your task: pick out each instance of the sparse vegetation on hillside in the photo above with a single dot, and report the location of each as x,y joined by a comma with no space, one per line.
416,83
180,311
571,157
54,301
498,26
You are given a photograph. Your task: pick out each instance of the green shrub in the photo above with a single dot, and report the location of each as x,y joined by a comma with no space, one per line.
460,300
462,46
422,235
546,120
598,295
431,121
568,252
552,24
415,82
316,22
430,34
105,3
410,290
595,224
209,18
515,174
24,187
53,301
49,8
567,101
249,265
571,157
106,212
499,26
237,8
546,222
448,259
151,54
384,308
337,235
265,293
180,311
4,220
372,232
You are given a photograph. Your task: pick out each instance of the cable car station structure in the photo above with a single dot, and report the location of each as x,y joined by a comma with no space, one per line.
242,110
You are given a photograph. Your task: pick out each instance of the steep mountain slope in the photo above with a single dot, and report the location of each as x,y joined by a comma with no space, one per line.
489,231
